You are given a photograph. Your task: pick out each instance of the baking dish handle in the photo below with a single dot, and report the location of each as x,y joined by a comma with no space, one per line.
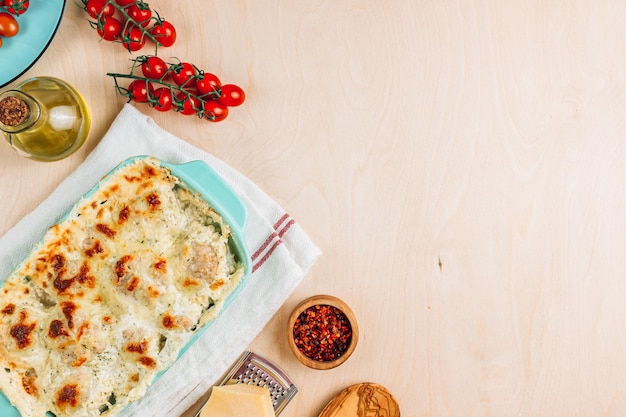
202,178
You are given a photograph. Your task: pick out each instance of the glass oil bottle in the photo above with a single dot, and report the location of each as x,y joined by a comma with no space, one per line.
44,118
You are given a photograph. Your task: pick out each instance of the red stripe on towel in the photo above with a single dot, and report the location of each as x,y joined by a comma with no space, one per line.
275,237
282,219
287,226
266,256
271,237
264,245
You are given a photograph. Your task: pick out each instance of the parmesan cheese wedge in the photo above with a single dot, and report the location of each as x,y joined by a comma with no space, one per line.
238,400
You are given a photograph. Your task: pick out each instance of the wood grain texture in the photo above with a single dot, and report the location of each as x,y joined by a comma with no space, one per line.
362,400
461,164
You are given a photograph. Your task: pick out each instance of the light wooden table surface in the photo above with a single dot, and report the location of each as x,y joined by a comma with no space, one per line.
461,164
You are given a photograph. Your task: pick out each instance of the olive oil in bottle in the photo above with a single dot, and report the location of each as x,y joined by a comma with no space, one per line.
44,118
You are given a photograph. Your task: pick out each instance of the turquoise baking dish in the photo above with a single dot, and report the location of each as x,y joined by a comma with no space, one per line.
201,178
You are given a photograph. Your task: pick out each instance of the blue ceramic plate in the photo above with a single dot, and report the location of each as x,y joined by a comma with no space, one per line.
38,25
199,177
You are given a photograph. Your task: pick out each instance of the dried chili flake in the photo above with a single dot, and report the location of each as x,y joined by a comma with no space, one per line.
322,332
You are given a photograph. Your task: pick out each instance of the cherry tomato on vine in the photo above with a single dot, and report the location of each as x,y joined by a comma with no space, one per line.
140,14
154,68
8,25
99,9
111,29
16,7
164,33
215,111
183,74
133,39
190,104
163,95
207,83
232,95
139,90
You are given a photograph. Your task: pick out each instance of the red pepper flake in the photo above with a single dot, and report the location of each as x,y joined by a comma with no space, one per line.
322,333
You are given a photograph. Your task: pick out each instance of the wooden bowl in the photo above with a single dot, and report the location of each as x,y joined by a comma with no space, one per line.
342,349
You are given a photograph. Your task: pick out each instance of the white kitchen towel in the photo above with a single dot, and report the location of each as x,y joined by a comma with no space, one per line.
281,253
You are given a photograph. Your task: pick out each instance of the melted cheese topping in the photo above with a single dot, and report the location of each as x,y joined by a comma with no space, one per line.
112,294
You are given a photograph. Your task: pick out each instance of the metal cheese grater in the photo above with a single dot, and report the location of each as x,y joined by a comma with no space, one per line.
254,369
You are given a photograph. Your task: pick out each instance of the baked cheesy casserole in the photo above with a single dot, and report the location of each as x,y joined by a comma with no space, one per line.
112,294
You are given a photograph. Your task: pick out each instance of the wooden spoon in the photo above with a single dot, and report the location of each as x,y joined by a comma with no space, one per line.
362,400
